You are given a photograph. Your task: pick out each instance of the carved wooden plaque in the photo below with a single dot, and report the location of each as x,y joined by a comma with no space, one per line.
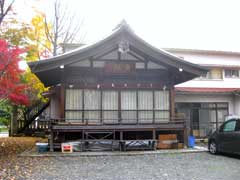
119,67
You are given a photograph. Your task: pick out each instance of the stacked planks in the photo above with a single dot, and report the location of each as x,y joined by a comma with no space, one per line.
167,141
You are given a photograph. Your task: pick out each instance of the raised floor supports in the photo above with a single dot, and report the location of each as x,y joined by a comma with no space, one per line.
154,138
120,138
51,143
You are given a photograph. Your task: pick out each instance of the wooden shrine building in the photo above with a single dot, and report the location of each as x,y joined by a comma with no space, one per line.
120,88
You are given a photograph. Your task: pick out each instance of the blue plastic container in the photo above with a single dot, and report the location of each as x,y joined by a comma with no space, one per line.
191,141
42,147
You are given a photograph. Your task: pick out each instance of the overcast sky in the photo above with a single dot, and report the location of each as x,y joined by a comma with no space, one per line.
194,24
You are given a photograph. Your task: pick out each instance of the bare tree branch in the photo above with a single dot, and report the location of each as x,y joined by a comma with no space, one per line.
4,10
65,27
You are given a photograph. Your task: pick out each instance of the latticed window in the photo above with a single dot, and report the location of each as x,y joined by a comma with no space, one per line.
112,106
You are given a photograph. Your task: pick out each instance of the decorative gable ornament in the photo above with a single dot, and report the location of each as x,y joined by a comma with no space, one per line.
123,47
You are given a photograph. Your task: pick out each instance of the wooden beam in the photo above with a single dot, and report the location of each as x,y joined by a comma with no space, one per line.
117,127
115,60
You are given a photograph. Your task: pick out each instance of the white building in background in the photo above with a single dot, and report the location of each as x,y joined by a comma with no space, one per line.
207,100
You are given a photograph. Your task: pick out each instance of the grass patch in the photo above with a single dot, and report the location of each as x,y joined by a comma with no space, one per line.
3,129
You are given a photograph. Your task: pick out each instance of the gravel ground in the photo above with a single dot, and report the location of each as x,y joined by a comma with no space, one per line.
189,166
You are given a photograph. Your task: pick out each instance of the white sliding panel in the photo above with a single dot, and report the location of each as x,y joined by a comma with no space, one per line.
129,106
161,106
145,106
110,107
92,105
73,105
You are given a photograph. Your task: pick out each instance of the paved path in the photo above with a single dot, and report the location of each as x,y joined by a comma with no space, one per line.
187,166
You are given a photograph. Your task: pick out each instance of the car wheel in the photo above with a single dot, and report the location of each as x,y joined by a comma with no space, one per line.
213,147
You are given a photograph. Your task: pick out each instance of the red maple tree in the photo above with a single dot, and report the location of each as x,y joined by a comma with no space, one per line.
11,87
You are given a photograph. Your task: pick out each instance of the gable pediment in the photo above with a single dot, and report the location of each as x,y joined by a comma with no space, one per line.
115,56
122,45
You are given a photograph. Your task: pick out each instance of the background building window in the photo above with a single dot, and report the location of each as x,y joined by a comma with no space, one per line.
214,73
231,73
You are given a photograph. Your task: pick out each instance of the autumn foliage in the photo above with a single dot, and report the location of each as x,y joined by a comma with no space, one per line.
11,87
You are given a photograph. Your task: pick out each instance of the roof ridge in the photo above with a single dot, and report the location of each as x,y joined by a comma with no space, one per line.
123,25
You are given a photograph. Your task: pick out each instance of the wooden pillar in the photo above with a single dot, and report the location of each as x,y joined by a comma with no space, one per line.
137,103
154,138
83,143
62,101
216,111
51,140
185,137
101,107
121,135
83,107
119,109
154,134
121,143
114,135
153,106
172,102
14,121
